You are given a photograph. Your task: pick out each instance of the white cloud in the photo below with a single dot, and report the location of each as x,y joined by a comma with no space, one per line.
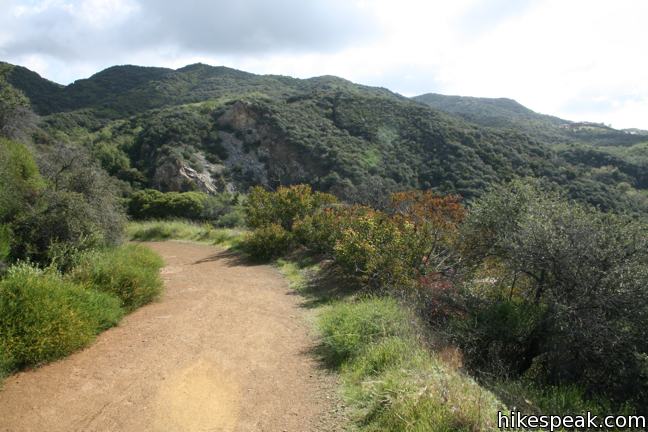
579,59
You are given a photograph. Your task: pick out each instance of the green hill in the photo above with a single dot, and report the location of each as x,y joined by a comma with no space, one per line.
216,128
507,113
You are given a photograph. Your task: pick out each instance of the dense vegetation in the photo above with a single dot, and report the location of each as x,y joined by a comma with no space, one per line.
63,276
538,287
209,129
223,210
507,113
541,294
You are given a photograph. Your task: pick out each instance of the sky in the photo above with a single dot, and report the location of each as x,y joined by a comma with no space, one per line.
577,59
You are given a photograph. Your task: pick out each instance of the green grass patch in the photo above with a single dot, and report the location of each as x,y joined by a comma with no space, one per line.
391,380
44,316
131,272
348,328
160,230
297,272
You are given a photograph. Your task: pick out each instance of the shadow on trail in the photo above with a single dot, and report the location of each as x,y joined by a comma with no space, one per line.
231,258
324,287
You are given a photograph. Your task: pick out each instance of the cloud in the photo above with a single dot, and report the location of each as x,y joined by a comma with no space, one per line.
75,30
252,26
580,60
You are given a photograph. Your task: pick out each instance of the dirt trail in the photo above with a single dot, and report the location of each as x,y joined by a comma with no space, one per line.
226,349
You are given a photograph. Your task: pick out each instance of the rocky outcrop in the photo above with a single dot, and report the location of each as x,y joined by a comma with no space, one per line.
179,175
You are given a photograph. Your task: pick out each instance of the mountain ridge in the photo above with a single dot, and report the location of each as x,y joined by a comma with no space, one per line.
217,128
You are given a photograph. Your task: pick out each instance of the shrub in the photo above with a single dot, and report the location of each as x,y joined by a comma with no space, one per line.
129,272
432,221
76,207
5,363
268,242
283,207
58,218
320,231
69,170
498,335
20,180
44,316
232,219
531,398
587,271
5,243
224,210
152,204
380,252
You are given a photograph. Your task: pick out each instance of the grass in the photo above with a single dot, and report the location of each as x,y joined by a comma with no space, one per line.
44,316
532,398
131,273
297,271
391,380
160,230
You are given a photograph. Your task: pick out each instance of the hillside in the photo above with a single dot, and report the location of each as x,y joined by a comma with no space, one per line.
507,113
216,128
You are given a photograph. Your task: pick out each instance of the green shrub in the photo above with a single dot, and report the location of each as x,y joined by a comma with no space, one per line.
224,210
497,334
19,178
232,219
380,252
320,231
5,363
5,242
153,204
283,207
44,316
530,398
348,328
268,242
585,270
132,273
77,208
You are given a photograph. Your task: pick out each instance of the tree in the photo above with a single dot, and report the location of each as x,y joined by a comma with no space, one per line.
583,272
20,183
77,208
15,112
20,180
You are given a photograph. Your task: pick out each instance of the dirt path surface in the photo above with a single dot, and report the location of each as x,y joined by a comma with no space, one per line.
226,349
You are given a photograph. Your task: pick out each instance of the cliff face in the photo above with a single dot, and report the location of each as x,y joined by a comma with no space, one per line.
251,149
259,150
